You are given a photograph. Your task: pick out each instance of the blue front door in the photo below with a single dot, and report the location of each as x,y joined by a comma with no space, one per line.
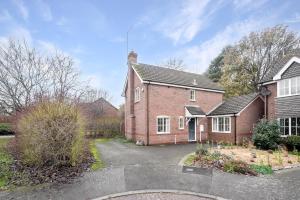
192,135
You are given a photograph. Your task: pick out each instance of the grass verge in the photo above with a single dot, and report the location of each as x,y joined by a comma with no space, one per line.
262,169
98,164
5,162
190,160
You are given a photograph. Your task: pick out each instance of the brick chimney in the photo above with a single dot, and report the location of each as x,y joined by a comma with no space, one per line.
132,57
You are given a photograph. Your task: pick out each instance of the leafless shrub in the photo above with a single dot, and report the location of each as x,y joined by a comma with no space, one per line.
51,133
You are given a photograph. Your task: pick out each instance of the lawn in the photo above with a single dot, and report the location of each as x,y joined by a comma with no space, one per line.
5,163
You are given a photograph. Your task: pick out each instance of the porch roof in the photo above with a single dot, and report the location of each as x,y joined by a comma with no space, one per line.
194,111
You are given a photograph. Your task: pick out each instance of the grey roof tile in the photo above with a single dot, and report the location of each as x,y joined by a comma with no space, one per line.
195,110
233,105
175,77
277,67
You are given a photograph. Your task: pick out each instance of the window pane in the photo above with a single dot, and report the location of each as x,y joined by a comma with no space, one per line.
227,124
293,131
286,131
215,124
293,85
298,121
286,87
298,131
281,122
167,125
298,85
221,124
286,122
293,123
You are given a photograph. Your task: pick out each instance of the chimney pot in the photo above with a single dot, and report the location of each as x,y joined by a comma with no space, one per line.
132,57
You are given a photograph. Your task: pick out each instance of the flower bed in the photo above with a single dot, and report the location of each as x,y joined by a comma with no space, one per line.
237,159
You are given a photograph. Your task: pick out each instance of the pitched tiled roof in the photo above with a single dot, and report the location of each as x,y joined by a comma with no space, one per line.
195,110
171,76
233,105
277,67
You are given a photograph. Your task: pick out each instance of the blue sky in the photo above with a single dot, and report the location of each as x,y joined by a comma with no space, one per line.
94,32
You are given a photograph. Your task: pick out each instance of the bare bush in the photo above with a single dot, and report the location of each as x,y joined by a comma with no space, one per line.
51,133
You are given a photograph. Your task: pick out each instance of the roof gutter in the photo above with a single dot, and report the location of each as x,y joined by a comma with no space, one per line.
181,86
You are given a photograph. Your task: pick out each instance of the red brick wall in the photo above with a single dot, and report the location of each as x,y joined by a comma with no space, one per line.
221,137
244,124
248,118
170,101
271,112
134,123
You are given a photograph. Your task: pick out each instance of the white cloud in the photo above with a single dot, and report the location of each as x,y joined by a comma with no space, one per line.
118,40
5,16
199,57
248,4
295,19
22,8
44,10
183,26
46,47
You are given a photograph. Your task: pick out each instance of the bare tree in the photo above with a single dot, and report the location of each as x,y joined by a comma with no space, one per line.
27,77
174,63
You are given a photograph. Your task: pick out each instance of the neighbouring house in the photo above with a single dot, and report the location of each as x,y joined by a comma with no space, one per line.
282,88
170,106
99,108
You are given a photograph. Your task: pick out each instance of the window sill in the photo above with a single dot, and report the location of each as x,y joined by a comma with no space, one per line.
181,129
291,95
192,100
163,133
221,131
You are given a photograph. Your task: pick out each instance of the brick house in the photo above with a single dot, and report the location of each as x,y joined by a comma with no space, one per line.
169,106
99,108
282,86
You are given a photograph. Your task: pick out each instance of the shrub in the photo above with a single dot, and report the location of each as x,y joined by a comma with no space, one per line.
266,135
51,133
292,142
5,129
104,127
201,150
237,166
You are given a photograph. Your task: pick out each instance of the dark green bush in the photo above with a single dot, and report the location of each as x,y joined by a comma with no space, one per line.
266,135
292,142
5,129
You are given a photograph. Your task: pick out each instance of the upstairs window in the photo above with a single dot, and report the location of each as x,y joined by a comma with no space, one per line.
181,122
137,94
288,87
192,95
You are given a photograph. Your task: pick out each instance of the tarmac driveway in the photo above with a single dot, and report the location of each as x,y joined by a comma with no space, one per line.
130,168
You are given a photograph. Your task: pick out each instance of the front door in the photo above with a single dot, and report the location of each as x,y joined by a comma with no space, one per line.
192,129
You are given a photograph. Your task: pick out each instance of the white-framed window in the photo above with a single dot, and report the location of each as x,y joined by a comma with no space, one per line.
181,122
288,87
137,94
193,95
163,124
221,124
289,126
